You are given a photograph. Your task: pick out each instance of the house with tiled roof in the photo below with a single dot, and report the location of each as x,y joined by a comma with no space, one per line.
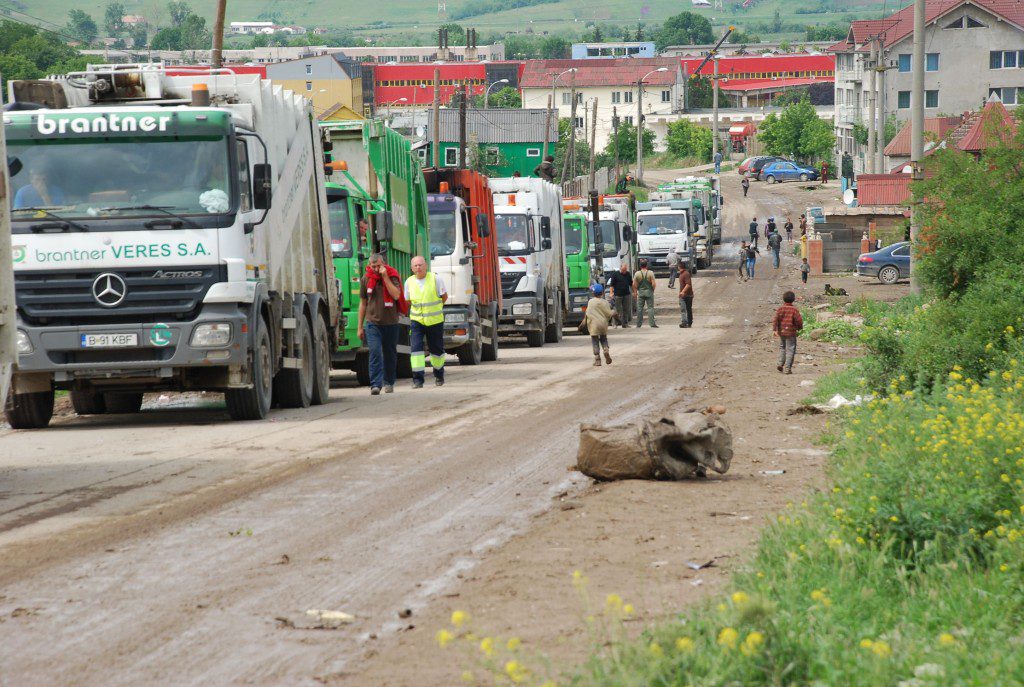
613,84
974,49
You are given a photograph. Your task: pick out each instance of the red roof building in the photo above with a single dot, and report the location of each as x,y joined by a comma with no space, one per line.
601,73
759,77
883,189
993,126
412,85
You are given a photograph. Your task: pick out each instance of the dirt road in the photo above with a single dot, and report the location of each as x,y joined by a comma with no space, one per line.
163,548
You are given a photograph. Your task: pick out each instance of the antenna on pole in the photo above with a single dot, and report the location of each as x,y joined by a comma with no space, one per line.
442,9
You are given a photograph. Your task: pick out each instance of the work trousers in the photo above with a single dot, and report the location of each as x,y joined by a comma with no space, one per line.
599,342
382,342
624,306
673,274
645,301
787,351
424,339
775,258
686,309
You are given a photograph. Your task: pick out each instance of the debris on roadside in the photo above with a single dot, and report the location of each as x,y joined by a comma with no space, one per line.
672,448
692,565
315,619
773,472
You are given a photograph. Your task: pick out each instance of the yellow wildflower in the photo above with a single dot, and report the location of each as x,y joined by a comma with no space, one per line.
444,637
946,639
628,610
516,672
459,618
881,649
655,650
467,676
613,602
866,644
752,643
740,598
684,644
487,646
513,644
728,637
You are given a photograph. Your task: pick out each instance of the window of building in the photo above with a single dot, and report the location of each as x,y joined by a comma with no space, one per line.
957,23
579,122
309,85
973,23
666,96
903,100
628,96
1009,59
931,98
1006,59
931,62
493,156
309,69
565,99
628,119
533,152
616,97
904,62
451,157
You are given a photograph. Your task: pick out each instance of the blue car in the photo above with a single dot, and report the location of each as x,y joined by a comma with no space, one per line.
889,264
786,170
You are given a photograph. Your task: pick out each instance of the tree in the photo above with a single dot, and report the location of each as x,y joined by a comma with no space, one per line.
743,38
595,36
798,132
686,139
456,34
43,50
194,34
179,11
507,98
685,28
260,40
626,139
16,67
113,18
699,93
140,37
81,26
582,158
167,39
554,48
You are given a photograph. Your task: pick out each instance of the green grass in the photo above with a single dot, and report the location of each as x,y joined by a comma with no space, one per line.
847,380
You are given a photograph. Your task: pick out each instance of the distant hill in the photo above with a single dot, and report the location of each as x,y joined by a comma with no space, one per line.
418,19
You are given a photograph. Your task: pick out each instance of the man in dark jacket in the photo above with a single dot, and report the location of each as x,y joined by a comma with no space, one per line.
621,286
546,169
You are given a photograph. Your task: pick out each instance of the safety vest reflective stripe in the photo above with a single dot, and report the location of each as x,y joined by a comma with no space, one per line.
425,304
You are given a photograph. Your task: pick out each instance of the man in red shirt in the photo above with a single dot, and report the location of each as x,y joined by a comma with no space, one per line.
787,325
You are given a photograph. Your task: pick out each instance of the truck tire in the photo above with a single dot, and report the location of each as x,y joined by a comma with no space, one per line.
254,403
295,385
362,368
536,339
29,411
471,352
322,370
123,403
88,403
553,332
489,351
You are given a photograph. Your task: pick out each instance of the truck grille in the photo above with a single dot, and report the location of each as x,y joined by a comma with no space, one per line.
509,281
66,298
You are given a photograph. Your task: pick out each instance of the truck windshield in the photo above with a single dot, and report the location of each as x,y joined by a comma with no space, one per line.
513,234
573,236
442,229
651,225
609,237
341,225
96,178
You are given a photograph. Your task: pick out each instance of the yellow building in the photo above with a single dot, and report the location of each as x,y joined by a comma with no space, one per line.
333,83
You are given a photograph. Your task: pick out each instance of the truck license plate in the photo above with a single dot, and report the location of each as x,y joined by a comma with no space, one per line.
109,340
520,323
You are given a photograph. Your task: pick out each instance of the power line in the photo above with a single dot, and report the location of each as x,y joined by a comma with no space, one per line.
41,28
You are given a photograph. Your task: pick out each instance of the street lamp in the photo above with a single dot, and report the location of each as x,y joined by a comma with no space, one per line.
487,93
554,80
400,100
640,124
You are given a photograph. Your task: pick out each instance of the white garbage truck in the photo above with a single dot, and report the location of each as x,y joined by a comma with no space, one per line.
169,233
661,227
8,352
531,257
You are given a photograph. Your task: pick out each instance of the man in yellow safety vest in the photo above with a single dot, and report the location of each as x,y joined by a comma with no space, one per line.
426,294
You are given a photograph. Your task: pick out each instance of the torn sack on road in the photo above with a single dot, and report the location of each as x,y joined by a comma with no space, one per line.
672,448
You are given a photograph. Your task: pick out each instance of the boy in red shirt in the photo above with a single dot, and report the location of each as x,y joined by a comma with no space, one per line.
787,325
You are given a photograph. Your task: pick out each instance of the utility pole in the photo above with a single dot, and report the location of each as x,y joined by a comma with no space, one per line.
593,139
547,132
218,34
640,132
872,110
615,142
435,134
880,104
916,134
462,126
595,222
571,152
714,107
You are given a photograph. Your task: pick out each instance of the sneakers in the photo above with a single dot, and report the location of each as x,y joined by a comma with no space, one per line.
654,326
417,384
682,325
375,391
597,361
607,356
389,388
789,372
438,381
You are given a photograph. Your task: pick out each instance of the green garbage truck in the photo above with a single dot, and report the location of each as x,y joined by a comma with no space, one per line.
577,260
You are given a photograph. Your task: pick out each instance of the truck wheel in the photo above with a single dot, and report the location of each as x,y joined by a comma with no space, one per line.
87,403
553,332
254,403
471,352
322,369
362,368
295,385
29,411
123,403
489,351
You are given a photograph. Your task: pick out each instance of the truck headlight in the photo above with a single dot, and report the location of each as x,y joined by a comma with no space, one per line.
24,343
211,335
522,309
579,299
455,317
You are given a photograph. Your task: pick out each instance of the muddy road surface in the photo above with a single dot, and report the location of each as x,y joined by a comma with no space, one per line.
177,547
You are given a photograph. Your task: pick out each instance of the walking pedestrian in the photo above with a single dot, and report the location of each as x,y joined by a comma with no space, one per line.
546,169
673,267
745,183
824,172
803,225
753,232
426,294
685,298
718,162
775,245
599,314
743,260
380,303
621,287
805,270
771,226
787,325
752,253
643,288
789,229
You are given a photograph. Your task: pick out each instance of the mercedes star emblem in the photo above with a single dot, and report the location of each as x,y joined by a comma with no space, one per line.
109,290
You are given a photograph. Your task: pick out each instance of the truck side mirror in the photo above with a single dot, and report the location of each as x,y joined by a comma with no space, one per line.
483,225
545,229
627,233
384,226
545,244
261,186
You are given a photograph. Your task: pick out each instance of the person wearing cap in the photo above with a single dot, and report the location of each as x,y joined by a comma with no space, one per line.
599,314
